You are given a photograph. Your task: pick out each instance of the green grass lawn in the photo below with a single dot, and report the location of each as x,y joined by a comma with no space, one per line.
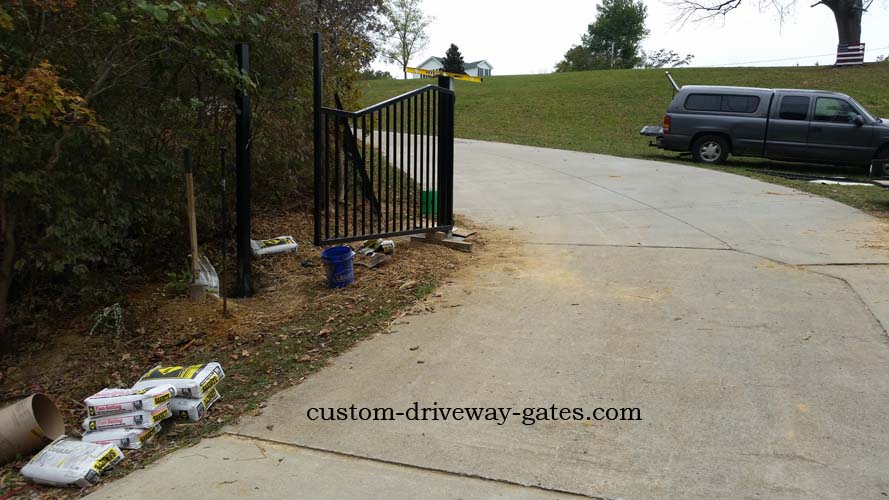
602,112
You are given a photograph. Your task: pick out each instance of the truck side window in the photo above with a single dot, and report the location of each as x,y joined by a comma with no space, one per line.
726,103
740,103
703,102
794,108
828,109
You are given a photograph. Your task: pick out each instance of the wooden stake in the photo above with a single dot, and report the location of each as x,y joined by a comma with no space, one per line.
194,292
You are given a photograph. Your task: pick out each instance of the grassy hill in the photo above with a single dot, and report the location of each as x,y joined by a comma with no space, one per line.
602,111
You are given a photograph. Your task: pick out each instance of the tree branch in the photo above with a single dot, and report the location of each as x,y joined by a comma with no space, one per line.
700,10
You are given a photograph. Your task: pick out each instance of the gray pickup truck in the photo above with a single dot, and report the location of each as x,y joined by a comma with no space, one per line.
795,125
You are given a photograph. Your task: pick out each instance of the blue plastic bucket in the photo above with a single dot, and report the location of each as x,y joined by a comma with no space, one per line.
338,265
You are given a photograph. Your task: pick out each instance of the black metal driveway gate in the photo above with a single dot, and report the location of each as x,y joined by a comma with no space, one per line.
387,170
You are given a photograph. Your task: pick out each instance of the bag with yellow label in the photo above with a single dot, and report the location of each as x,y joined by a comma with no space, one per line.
112,401
193,409
271,246
193,381
70,462
130,439
135,419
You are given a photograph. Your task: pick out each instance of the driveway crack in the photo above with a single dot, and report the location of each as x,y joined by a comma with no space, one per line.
506,482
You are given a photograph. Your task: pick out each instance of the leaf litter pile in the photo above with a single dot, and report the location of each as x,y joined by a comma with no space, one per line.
292,326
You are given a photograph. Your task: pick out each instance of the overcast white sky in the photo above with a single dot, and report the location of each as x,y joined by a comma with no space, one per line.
521,37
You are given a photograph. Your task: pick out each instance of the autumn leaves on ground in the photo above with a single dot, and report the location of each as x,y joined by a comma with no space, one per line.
293,325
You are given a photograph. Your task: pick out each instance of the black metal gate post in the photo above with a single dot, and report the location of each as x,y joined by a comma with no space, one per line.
242,157
319,134
446,151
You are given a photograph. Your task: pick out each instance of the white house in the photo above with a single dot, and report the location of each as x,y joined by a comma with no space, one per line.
475,68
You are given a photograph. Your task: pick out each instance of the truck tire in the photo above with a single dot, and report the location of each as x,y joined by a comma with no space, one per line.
710,149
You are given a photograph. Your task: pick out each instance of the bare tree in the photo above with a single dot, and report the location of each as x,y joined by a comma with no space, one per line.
407,29
847,13
663,58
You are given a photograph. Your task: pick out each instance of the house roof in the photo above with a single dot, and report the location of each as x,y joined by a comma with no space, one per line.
433,58
473,64
468,65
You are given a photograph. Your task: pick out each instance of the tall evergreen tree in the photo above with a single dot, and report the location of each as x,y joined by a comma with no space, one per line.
453,61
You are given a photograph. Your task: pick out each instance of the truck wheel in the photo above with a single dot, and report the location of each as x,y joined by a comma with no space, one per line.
711,149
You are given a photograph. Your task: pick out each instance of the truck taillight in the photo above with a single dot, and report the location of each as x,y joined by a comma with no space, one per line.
666,124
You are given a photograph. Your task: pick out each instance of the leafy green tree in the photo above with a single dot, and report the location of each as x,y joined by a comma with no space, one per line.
406,29
579,58
372,74
97,100
612,41
453,60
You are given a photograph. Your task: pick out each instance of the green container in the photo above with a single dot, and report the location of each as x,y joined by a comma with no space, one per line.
429,203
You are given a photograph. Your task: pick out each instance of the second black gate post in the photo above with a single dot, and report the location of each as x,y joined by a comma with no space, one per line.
242,157
446,151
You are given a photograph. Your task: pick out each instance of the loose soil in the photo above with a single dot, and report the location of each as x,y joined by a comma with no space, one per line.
292,326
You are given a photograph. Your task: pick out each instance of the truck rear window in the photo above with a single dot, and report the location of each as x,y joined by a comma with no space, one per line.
794,108
724,103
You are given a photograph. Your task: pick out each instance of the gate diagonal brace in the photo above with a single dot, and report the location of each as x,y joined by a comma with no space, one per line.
352,141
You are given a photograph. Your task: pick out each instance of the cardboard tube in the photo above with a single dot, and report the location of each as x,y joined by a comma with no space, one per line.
28,425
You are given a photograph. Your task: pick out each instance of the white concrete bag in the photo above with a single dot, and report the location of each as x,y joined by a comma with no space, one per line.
193,381
70,462
271,246
112,401
129,439
145,419
194,409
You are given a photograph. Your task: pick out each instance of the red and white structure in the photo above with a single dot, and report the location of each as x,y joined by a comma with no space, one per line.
850,54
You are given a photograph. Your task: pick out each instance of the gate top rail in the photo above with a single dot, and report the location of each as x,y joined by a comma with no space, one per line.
387,102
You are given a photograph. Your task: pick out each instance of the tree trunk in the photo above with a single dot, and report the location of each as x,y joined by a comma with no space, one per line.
7,227
847,14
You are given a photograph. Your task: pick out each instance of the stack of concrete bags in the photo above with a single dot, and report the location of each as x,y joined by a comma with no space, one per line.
195,387
127,418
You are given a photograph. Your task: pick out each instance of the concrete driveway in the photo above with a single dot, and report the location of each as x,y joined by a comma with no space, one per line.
744,320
